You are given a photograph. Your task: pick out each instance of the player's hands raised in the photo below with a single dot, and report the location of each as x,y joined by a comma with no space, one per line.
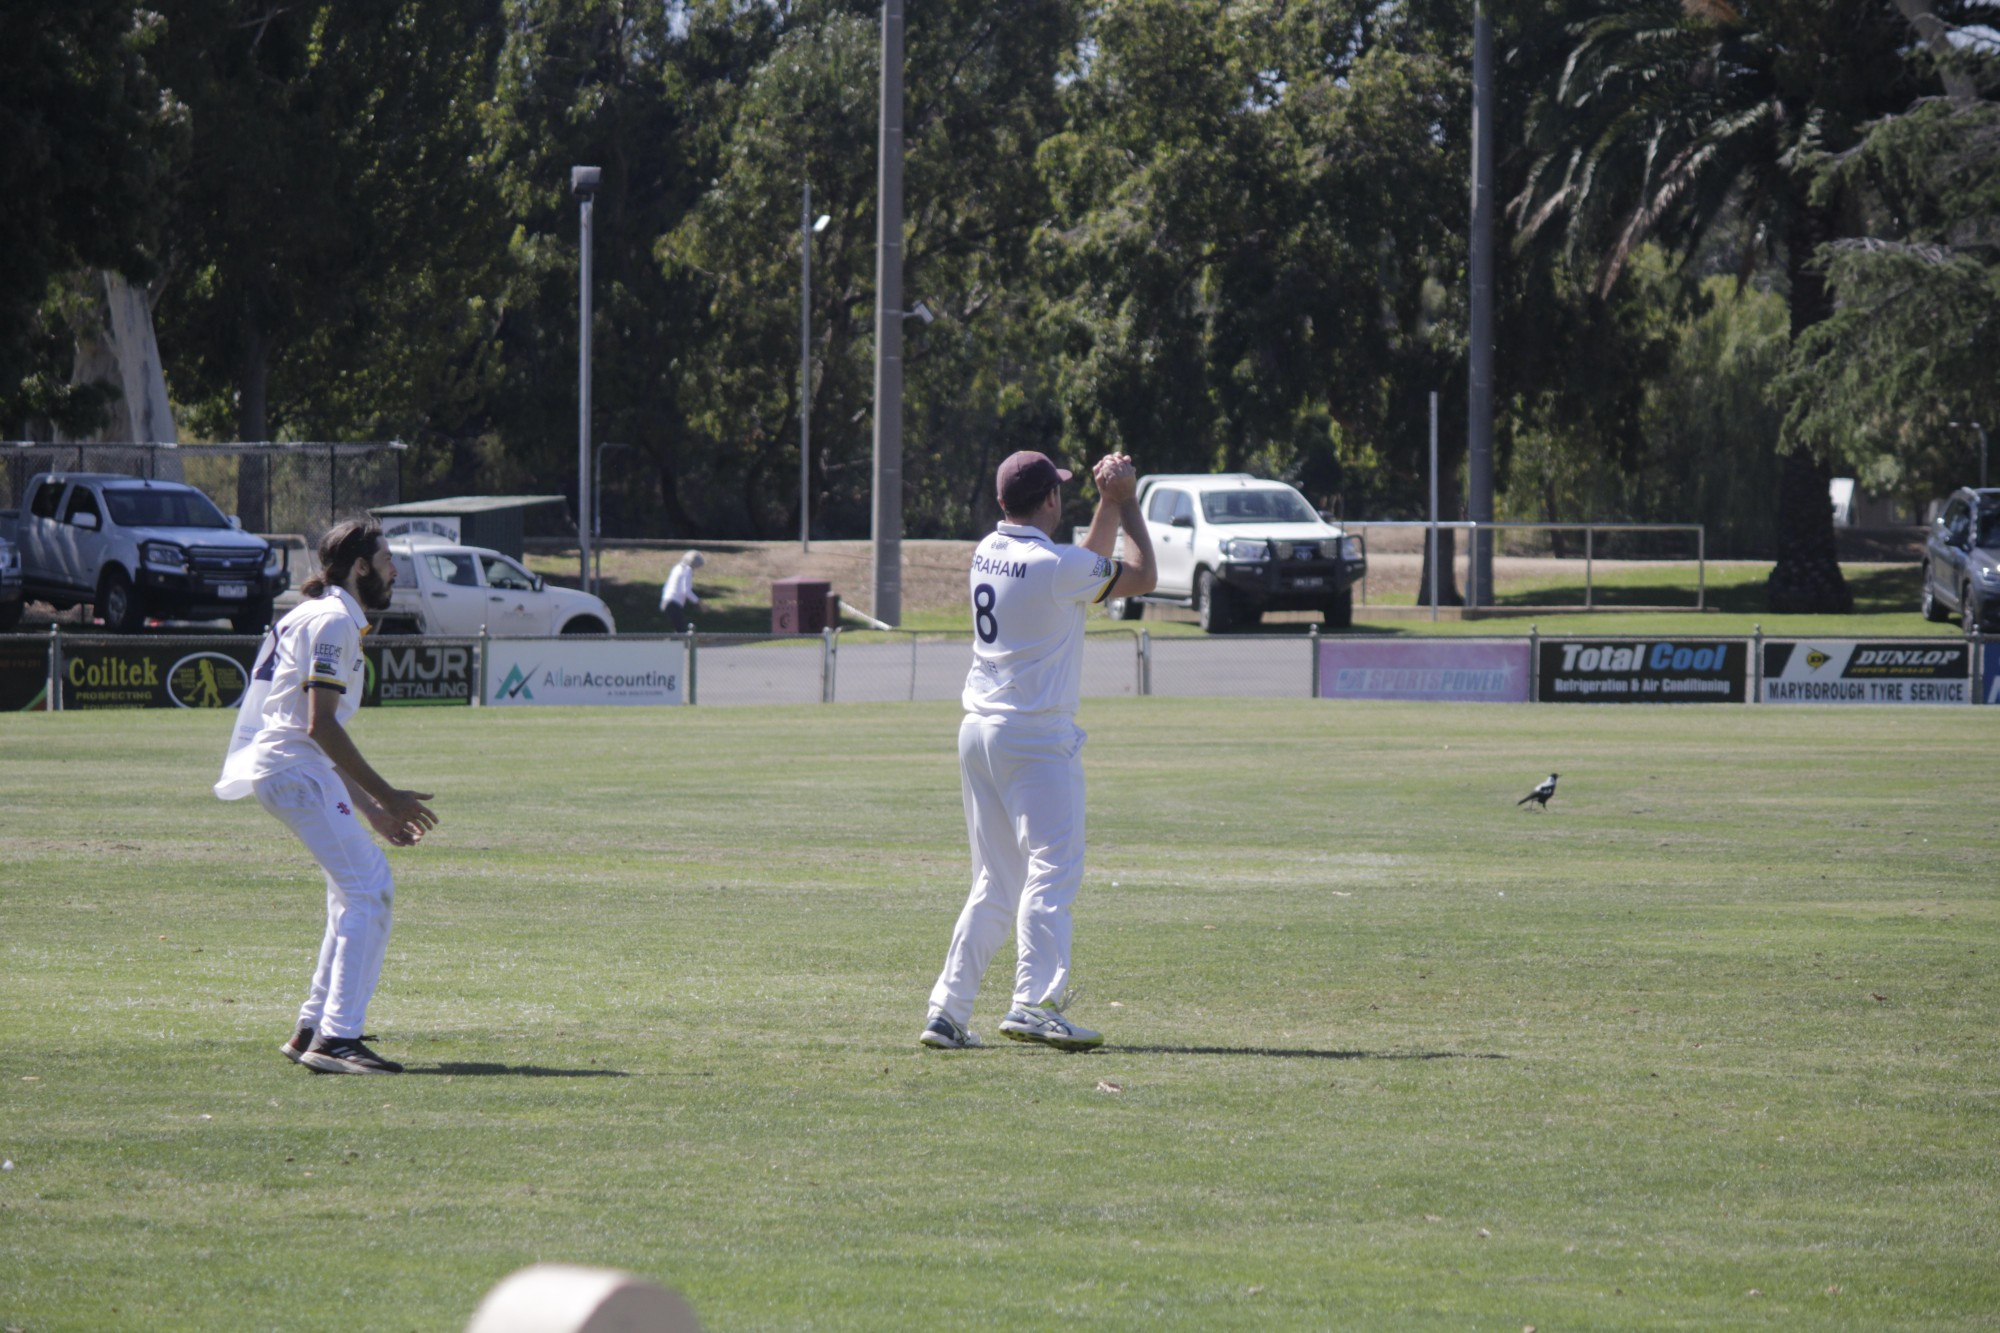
1117,480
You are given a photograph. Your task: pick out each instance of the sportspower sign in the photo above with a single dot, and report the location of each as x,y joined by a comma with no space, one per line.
1840,671
1643,671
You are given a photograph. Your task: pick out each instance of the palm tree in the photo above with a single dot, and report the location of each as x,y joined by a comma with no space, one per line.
1668,117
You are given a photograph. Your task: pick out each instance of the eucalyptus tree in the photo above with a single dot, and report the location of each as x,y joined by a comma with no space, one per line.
327,230
1256,237
981,87
1663,118
86,132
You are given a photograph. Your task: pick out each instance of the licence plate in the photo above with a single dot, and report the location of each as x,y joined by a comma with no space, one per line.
232,591
1310,581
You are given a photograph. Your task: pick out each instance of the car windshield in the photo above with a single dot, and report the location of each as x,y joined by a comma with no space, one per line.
140,507
1270,504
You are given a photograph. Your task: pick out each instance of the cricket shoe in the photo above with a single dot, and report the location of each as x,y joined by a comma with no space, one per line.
941,1034
346,1055
1045,1024
295,1049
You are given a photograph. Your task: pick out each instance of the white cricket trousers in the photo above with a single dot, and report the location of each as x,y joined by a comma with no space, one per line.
313,803
1023,782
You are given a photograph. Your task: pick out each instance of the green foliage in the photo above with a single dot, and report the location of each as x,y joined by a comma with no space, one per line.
85,134
1911,346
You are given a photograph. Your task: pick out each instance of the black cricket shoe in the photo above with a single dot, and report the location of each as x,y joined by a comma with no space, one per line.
346,1055
295,1049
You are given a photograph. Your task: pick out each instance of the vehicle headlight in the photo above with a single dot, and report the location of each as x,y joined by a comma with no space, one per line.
1989,574
270,559
10,560
1245,550
164,555
1350,549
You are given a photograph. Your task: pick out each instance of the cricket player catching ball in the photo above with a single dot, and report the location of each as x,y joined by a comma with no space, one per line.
291,750
1019,748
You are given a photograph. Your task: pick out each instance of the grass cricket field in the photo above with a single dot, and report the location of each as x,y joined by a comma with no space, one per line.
1713,1043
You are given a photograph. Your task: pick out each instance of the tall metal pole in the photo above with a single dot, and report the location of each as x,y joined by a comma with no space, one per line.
583,183
888,527
1432,543
1479,391
805,366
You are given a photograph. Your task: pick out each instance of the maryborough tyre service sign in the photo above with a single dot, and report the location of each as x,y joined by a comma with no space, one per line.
1839,671
1643,671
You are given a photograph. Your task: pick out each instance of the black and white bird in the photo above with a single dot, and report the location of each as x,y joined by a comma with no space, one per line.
1540,795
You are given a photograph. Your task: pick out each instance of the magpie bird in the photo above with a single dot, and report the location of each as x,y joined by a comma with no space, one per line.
1540,795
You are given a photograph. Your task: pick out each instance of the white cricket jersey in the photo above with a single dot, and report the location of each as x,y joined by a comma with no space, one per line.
316,645
1029,595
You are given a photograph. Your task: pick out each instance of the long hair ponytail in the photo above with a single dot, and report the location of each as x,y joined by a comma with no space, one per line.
343,544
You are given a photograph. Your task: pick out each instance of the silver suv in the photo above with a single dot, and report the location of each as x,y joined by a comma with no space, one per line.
1962,561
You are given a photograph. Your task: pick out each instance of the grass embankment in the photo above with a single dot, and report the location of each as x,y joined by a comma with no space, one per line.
1710,1044
735,587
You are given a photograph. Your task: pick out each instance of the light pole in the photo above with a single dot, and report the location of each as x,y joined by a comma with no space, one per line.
1974,425
1479,379
888,519
597,511
807,230
583,184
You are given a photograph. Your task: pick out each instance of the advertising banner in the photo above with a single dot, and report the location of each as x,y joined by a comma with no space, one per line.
407,673
1644,671
1989,655
154,673
24,673
1437,669
1842,671
580,670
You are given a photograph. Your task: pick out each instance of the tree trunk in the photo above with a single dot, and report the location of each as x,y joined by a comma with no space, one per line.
251,426
1806,579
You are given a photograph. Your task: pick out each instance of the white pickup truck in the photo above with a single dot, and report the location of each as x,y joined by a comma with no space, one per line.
447,589
1232,546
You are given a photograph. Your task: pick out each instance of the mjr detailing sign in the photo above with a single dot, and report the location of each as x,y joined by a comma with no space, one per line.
405,675
1840,671
1696,671
528,672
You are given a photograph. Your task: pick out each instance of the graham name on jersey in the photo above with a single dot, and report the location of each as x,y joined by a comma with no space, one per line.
1012,569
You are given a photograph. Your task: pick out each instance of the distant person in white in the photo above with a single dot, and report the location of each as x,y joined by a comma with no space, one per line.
678,594
291,750
1019,749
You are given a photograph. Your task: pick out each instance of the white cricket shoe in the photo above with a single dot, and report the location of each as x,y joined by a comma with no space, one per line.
1045,1024
940,1033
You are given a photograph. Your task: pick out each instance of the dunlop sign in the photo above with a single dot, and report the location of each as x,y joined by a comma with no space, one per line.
1643,671
1841,671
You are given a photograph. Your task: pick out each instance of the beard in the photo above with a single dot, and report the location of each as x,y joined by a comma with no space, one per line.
374,590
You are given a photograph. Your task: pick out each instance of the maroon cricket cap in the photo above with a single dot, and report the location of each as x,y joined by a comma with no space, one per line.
1025,478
